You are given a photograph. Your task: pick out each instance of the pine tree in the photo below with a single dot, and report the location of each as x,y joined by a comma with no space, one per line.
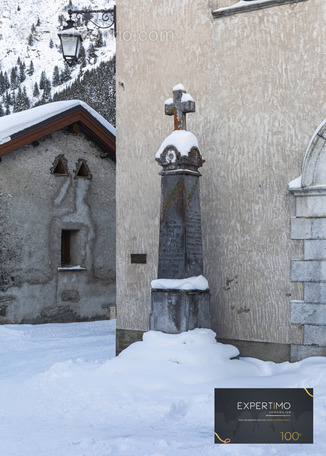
18,9
6,80
95,86
51,44
91,53
65,75
13,99
56,76
22,75
36,92
82,57
26,102
2,83
43,78
7,99
33,28
46,97
18,101
14,78
30,40
7,110
30,70
38,23
99,40
2,113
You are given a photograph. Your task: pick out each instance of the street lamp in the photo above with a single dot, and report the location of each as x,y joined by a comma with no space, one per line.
71,38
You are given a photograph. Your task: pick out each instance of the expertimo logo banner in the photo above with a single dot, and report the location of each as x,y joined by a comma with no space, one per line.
264,415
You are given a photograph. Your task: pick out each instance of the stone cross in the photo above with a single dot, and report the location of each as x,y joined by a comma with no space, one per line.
179,106
180,243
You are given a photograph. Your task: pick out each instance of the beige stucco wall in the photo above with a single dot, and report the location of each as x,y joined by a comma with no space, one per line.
258,80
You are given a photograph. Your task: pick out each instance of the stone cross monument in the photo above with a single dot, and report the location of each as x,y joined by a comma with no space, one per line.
179,106
180,298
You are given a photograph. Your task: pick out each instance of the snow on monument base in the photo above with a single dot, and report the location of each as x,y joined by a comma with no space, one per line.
177,311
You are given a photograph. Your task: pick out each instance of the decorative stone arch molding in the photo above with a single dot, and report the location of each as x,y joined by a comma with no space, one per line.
309,225
314,164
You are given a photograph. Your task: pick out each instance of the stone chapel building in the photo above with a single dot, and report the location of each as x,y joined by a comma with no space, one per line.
256,70
57,215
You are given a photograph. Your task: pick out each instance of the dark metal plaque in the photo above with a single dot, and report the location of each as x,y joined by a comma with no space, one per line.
138,258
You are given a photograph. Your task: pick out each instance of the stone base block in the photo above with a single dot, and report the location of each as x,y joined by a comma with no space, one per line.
300,352
176,311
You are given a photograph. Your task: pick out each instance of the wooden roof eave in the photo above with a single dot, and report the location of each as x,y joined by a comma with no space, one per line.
103,137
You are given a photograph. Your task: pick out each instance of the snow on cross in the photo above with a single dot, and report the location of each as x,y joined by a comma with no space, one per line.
181,104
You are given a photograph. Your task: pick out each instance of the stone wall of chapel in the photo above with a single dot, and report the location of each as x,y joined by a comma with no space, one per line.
35,207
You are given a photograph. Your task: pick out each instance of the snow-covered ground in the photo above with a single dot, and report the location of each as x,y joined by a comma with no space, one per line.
62,392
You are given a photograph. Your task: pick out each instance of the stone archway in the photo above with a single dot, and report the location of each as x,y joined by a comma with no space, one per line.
309,225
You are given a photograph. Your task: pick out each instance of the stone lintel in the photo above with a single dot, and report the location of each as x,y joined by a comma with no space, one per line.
308,270
308,313
176,311
308,228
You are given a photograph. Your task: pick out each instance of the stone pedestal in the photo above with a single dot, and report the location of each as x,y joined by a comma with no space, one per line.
180,243
176,311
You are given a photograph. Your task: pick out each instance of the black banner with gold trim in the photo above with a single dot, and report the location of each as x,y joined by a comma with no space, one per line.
264,415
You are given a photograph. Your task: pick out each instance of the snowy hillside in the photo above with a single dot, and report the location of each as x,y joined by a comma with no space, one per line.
29,42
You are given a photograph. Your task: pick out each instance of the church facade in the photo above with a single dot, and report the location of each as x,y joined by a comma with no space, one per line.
256,72
57,215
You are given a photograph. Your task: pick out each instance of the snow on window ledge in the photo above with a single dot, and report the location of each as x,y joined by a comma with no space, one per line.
250,5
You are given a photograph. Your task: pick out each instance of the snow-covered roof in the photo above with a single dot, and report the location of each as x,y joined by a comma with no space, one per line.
25,127
15,123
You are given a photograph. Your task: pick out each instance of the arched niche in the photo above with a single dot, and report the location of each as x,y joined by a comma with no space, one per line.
309,226
314,163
